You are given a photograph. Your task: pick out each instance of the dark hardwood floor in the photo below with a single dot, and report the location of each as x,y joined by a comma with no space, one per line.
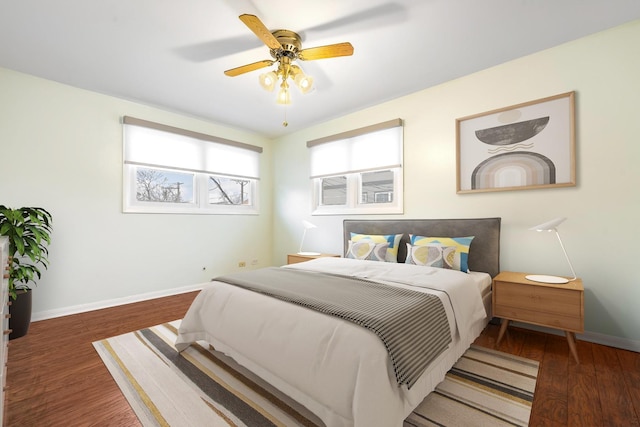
56,378
603,390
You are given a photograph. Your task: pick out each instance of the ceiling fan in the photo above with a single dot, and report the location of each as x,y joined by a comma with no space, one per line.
285,48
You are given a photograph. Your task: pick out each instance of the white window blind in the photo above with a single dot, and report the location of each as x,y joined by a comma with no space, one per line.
373,147
359,171
173,170
156,145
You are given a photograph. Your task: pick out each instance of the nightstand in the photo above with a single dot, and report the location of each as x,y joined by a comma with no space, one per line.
543,304
295,258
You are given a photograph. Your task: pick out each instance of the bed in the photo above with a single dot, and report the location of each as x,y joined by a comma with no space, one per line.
343,373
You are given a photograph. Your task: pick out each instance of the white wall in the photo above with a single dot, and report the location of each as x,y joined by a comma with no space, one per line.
61,149
603,209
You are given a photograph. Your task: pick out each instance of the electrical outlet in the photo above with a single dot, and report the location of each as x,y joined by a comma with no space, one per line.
254,262
242,264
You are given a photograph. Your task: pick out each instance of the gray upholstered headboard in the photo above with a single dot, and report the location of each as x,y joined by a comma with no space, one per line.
484,252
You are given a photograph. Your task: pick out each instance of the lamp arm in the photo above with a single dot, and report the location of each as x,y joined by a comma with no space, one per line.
566,256
302,241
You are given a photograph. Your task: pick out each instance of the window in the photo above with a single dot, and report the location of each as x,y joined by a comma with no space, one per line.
157,185
170,170
359,171
377,187
334,191
229,191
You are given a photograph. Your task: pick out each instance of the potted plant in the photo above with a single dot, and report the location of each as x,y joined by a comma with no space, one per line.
28,230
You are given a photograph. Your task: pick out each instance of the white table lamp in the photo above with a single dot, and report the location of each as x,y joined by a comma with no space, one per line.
307,225
551,226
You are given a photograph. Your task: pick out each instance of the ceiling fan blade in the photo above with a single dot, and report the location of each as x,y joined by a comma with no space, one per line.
329,51
249,67
255,24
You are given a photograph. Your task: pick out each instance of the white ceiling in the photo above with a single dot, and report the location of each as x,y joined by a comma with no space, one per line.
172,53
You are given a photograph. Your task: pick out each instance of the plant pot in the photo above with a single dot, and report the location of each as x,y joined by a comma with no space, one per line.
20,311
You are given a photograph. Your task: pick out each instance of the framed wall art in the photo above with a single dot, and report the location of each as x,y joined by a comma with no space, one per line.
524,146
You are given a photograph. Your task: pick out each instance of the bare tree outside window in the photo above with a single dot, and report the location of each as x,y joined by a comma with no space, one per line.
229,191
155,185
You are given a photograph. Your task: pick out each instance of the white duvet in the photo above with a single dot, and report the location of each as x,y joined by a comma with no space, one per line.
339,371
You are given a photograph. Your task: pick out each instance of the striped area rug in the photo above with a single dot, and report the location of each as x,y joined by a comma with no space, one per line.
202,387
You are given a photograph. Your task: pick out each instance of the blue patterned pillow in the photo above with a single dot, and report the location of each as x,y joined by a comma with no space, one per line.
367,250
392,239
461,244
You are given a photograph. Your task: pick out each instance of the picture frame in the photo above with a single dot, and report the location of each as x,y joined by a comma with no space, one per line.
520,147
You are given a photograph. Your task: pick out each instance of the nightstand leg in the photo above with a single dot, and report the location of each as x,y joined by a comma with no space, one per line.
503,329
571,339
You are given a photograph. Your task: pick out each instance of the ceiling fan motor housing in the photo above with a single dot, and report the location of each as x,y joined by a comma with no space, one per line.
290,42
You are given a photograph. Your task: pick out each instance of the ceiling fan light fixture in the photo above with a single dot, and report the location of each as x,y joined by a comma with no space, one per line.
304,82
285,47
284,98
268,80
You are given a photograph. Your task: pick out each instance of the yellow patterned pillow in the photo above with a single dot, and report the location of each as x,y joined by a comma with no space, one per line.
367,250
461,259
392,239
432,256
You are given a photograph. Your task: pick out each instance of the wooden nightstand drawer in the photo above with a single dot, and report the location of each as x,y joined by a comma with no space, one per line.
555,307
537,317
561,301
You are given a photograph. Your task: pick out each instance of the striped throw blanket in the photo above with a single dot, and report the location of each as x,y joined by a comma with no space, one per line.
412,325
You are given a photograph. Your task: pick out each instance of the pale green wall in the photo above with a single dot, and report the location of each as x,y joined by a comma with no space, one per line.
61,148
603,209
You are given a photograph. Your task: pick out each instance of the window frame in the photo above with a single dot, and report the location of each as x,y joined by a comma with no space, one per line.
200,204
354,205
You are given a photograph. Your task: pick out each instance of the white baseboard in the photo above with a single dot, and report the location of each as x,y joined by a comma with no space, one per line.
594,337
82,308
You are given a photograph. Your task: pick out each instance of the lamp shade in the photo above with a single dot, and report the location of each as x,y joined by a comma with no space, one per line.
268,80
307,226
551,226
304,82
283,96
